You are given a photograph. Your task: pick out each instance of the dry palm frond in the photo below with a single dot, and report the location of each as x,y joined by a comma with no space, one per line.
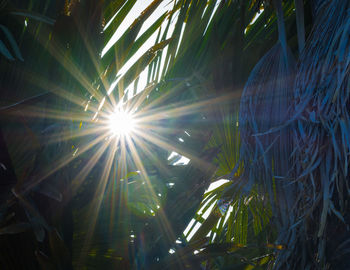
299,13
69,6
264,105
321,139
317,5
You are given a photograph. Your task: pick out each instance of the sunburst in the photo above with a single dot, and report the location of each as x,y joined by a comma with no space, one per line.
117,131
121,122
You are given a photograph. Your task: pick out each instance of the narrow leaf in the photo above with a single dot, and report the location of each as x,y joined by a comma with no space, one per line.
5,52
15,228
12,42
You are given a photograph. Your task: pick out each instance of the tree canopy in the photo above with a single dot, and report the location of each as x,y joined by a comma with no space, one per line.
174,134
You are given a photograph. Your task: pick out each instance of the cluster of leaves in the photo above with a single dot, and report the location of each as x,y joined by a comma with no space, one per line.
293,130
284,149
183,78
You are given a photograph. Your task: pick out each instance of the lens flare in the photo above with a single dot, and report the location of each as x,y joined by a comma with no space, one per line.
121,122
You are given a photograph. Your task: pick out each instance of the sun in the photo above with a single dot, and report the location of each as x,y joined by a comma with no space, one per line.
121,123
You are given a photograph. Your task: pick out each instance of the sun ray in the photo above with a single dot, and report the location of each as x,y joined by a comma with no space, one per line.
144,147
41,112
111,129
177,110
162,142
94,59
50,87
163,219
68,135
61,163
84,172
121,123
59,53
96,203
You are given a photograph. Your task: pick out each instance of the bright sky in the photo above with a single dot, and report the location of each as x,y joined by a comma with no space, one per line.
136,10
139,6
206,214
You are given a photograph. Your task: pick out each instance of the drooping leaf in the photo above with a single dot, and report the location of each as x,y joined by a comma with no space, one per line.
33,15
12,42
5,52
15,228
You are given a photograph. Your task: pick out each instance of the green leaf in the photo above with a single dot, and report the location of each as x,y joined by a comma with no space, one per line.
135,70
207,225
124,44
49,191
44,261
33,15
60,252
15,228
131,174
110,30
5,52
112,9
12,42
145,36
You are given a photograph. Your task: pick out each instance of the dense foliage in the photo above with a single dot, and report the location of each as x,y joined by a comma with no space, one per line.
250,91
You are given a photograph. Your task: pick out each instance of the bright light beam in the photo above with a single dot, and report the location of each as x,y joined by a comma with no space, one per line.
121,123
